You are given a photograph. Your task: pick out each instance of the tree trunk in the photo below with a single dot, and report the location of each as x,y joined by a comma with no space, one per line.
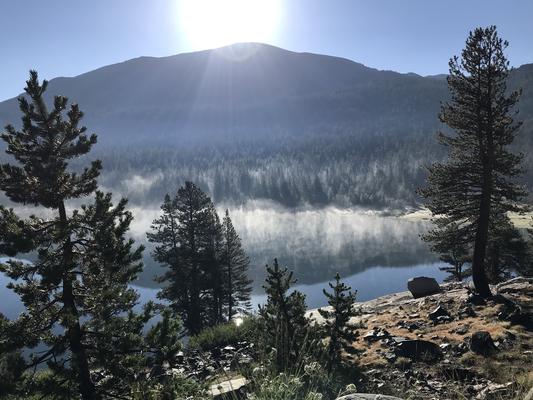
230,292
74,335
479,275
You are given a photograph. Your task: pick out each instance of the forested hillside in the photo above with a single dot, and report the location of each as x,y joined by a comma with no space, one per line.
255,121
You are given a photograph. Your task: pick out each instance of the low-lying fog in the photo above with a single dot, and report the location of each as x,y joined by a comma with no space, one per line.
316,243
375,252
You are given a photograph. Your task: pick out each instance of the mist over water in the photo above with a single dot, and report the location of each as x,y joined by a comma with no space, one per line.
315,243
375,252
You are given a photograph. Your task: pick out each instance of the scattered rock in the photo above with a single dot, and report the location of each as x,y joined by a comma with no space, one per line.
519,317
422,286
481,343
437,313
466,311
445,346
476,299
462,330
418,350
494,391
376,334
390,356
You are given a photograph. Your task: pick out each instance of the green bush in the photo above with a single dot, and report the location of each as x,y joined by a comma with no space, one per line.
224,335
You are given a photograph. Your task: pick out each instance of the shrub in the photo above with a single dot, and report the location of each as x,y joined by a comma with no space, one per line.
311,382
224,335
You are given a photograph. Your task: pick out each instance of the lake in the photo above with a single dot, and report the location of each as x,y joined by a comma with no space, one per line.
375,252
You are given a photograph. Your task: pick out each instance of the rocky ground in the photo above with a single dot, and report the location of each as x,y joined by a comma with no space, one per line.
449,345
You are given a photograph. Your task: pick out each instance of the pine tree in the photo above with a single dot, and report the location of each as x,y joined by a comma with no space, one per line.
182,238
336,321
453,249
283,316
214,268
76,293
507,251
12,363
162,343
477,180
238,287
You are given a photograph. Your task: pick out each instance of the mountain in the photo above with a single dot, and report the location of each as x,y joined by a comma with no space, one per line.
255,121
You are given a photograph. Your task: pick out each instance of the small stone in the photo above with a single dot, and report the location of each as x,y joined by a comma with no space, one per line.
476,299
438,312
445,346
467,311
444,319
481,343
418,350
462,330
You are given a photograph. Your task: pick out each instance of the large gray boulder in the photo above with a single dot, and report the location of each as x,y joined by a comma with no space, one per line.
422,286
367,396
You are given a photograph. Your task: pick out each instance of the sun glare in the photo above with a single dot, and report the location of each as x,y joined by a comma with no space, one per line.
215,23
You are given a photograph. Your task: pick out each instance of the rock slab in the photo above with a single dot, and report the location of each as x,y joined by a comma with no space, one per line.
226,388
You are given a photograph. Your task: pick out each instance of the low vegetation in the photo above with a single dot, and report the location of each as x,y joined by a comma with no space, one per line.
226,334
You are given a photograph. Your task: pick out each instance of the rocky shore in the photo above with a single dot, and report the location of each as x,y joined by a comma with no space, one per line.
448,345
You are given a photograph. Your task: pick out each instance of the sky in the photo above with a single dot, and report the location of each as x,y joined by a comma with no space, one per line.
67,38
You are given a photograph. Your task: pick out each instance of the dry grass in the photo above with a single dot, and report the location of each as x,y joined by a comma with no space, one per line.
513,363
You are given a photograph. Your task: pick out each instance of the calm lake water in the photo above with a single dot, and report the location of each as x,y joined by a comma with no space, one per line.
374,253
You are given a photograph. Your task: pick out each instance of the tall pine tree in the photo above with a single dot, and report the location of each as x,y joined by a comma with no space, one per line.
283,316
183,238
76,295
214,268
336,327
477,180
238,287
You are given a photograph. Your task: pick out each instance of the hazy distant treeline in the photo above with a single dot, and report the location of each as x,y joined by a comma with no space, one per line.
378,171
332,169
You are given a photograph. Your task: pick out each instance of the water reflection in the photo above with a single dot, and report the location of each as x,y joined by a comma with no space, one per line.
316,243
372,283
378,253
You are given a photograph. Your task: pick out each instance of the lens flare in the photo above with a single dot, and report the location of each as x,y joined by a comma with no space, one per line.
215,23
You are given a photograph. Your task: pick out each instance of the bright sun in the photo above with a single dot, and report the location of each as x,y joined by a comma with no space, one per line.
215,23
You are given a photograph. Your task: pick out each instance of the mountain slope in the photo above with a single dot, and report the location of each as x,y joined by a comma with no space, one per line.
235,89
256,121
